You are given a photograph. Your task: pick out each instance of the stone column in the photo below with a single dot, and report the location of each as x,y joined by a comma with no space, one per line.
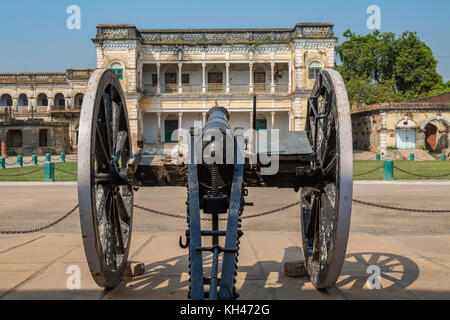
180,83
272,78
227,77
204,118
180,123
203,77
51,103
290,77
159,126
158,78
273,119
141,76
250,86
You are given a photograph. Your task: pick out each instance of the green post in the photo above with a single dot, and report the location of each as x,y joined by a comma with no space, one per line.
20,161
2,163
411,156
34,160
62,157
443,157
378,156
388,170
49,172
48,157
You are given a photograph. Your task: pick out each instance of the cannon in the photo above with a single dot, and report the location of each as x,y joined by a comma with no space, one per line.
221,162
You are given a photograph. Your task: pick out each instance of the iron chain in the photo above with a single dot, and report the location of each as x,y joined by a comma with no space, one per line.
421,176
367,172
43,227
64,171
384,206
21,174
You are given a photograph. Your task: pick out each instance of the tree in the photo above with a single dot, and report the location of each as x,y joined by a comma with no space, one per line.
379,67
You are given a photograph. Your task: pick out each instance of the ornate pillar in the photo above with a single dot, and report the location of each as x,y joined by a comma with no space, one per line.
159,126
141,76
250,87
204,118
227,78
51,103
273,119
272,78
158,78
290,77
203,77
180,83
180,126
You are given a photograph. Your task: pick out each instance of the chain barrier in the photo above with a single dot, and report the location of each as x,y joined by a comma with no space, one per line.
11,164
21,174
384,206
65,171
264,213
367,172
43,227
421,176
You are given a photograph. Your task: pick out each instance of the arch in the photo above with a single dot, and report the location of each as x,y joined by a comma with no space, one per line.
22,100
314,68
406,123
42,100
78,100
431,137
117,67
60,102
437,118
6,100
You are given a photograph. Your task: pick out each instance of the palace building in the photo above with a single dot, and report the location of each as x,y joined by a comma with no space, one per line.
171,77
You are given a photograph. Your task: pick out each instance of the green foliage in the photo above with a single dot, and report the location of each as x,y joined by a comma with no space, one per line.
379,67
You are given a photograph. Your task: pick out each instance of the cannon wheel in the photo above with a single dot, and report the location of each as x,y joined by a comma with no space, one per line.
106,201
326,210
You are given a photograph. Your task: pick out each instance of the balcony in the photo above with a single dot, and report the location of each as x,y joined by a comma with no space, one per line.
216,87
192,87
239,88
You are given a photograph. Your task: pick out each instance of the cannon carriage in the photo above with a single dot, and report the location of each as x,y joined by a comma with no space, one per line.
216,168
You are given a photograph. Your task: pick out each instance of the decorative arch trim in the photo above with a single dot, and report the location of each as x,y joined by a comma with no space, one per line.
438,118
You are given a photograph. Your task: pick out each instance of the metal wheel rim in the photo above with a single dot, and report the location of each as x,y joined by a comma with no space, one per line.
99,220
324,270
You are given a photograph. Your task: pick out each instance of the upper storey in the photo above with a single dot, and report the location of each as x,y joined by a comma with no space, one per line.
214,36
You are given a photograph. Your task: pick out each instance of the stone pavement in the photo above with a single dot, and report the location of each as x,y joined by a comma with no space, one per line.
412,250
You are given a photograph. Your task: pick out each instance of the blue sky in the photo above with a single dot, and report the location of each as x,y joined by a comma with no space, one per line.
34,36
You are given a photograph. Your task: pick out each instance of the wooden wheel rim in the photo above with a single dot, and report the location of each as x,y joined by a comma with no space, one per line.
325,250
97,204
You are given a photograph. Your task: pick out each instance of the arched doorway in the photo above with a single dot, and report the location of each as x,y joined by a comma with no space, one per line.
406,134
6,100
78,101
430,137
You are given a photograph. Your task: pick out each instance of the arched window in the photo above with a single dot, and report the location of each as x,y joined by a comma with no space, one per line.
314,69
78,100
6,100
118,69
60,102
22,101
42,100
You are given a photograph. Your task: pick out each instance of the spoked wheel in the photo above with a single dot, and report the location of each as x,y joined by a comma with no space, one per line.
105,194
326,210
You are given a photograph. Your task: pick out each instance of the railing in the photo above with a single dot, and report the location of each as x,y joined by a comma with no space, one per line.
239,87
261,87
281,87
216,87
192,87
150,89
169,88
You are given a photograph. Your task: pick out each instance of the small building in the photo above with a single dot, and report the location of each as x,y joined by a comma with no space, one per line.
418,124
29,137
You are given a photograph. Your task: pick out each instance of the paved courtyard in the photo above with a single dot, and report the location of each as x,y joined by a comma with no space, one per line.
411,249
